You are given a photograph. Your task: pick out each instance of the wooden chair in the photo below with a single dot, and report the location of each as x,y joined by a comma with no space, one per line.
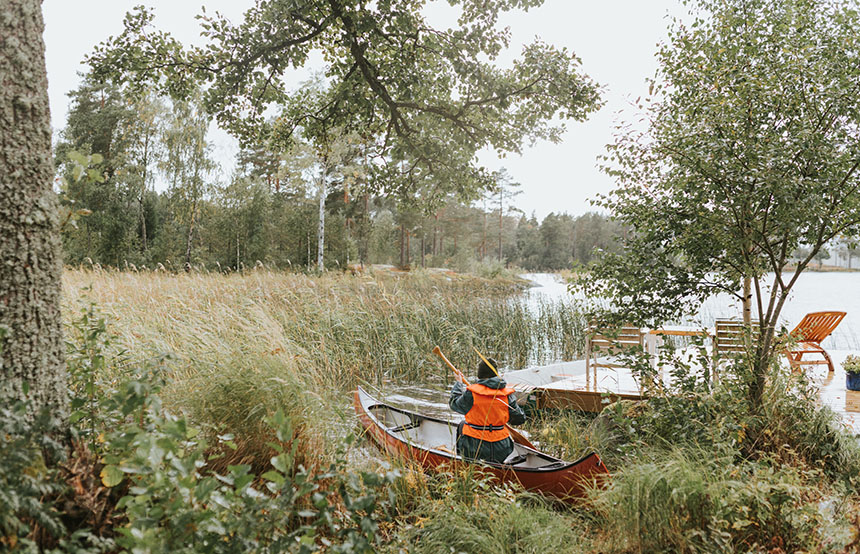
610,342
730,339
729,336
812,329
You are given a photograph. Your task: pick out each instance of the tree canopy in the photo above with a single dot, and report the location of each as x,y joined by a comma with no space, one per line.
752,149
429,98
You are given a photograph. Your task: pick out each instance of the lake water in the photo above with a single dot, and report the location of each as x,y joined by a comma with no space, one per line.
813,292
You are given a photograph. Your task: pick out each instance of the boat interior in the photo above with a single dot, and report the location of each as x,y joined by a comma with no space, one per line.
441,436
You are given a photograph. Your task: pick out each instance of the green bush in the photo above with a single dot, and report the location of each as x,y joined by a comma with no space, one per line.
160,479
27,442
174,503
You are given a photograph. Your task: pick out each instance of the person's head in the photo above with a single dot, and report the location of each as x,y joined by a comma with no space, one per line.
485,371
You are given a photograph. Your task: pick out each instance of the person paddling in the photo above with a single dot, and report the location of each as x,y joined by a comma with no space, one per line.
488,405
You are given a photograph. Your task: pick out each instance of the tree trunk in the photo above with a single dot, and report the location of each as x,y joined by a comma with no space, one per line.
435,232
143,245
402,247
348,239
747,302
408,248
31,342
365,235
484,233
190,239
143,194
321,228
500,225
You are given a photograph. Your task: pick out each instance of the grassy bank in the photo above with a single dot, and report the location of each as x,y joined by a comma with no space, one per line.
333,330
263,458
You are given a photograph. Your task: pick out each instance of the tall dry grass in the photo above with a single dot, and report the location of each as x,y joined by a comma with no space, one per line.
244,345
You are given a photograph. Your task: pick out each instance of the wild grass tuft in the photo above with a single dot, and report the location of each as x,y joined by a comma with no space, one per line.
691,501
490,522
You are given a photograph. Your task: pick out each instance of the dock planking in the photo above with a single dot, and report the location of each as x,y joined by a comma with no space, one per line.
566,385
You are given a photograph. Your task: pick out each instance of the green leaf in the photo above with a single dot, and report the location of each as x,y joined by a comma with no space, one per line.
274,476
111,476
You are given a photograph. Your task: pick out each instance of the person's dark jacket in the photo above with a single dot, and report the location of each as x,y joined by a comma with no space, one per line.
470,447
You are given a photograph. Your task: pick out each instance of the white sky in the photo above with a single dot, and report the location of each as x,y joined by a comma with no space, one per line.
615,39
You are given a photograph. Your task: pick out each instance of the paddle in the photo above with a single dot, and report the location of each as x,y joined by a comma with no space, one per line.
516,435
486,361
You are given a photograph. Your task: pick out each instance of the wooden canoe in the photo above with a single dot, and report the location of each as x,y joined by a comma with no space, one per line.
432,443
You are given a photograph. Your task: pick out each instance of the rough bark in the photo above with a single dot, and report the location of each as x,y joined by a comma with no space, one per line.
32,350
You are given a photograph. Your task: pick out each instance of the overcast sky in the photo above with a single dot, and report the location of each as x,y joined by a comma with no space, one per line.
615,39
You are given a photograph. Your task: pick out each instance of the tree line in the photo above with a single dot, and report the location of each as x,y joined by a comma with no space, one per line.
154,194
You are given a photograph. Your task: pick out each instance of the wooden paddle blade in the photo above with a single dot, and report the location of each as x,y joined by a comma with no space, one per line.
519,437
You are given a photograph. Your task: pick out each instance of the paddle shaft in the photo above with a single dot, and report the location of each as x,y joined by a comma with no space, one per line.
516,435
457,372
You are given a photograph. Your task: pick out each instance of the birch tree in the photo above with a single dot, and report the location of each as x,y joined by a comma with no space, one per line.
188,165
752,149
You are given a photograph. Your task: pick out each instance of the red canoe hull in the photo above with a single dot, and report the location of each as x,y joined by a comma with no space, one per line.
567,480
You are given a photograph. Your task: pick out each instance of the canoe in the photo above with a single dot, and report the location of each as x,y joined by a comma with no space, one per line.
432,443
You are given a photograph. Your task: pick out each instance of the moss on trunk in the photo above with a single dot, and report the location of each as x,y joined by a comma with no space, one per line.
32,349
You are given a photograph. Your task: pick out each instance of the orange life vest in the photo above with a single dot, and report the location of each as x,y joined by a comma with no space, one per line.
489,414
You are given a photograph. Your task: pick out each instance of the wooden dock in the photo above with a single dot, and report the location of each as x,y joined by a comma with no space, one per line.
566,385
832,392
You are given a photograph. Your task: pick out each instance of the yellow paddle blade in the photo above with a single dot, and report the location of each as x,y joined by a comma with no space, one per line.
486,361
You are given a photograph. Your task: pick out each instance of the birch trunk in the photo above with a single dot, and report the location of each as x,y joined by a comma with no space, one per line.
747,303
501,208
31,347
321,229
145,164
189,240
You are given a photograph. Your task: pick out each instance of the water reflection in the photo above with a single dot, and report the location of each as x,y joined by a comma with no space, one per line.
428,398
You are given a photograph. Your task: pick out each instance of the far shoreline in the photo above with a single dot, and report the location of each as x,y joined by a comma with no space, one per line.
823,269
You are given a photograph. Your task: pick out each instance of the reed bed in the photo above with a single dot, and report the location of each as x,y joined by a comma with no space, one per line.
242,345
333,330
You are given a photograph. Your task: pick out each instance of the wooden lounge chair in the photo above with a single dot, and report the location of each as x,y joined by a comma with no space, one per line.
812,329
